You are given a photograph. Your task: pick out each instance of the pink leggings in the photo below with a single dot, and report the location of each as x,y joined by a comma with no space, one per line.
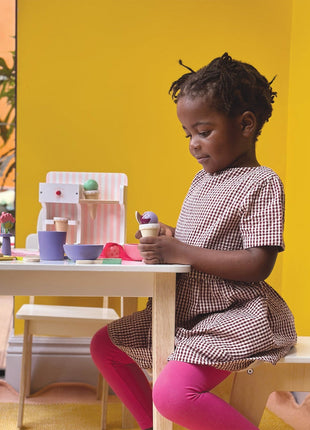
181,392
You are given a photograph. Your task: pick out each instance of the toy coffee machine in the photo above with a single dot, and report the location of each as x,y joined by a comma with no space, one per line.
91,207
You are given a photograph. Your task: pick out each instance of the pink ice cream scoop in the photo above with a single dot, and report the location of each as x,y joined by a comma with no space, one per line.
149,218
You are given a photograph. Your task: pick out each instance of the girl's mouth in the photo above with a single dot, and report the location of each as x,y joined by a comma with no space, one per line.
202,158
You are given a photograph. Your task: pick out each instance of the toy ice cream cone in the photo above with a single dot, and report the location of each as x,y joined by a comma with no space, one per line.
151,229
92,207
61,224
91,189
148,224
91,192
92,211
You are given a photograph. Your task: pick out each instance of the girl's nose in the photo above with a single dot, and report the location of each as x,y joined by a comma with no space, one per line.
194,142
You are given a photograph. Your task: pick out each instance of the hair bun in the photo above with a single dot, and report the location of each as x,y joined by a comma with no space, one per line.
225,60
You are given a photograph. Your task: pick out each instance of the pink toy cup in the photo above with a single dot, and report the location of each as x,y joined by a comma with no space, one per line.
51,245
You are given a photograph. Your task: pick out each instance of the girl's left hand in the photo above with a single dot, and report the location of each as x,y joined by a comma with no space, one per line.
161,250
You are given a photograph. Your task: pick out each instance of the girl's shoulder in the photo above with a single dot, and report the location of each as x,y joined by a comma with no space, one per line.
262,172
263,175
254,174
238,180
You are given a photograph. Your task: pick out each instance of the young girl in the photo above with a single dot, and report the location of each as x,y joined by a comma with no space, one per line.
230,232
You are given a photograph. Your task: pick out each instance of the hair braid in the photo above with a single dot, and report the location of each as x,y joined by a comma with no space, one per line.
232,86
176,85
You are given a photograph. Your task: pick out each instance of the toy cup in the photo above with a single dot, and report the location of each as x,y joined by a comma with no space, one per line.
51,245
61,224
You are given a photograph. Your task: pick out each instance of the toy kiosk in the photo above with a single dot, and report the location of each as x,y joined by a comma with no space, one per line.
92,218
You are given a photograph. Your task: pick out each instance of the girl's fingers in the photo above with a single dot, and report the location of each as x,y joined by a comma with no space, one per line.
138,234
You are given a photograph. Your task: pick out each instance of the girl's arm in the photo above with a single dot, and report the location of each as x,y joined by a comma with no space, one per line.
248,265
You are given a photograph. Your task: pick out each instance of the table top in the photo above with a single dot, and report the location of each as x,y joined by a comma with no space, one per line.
70,266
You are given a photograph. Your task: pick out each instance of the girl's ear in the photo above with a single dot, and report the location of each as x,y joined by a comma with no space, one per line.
248,123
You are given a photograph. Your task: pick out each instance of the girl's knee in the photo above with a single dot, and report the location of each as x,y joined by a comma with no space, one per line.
98,342
164,398
180,386
170,396
104,351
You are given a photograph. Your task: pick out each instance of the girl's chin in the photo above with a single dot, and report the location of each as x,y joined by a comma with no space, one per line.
208,169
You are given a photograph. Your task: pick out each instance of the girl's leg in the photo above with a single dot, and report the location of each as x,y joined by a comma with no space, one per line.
124,376
181,394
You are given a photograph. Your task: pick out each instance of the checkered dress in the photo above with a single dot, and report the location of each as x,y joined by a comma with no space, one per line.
223,323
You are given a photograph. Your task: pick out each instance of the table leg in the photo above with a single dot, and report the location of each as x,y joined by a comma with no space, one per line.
129,305
163,332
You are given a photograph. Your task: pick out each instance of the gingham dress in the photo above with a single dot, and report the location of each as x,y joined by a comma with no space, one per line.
223,323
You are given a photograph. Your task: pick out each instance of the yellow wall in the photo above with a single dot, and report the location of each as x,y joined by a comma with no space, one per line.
93,80
296,269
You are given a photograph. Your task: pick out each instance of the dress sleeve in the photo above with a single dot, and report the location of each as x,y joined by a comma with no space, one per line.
262,218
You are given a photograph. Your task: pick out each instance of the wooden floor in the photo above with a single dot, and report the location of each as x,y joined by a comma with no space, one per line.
296,417
6,321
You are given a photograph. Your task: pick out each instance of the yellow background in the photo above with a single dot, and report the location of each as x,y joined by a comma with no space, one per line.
296,273
93,80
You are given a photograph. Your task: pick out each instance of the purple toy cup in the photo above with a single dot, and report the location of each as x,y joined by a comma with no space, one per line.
51,244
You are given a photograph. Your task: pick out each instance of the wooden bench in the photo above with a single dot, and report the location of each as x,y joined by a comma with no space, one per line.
251,388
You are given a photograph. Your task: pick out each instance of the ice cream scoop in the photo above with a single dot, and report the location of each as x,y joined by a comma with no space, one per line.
90,185
148,217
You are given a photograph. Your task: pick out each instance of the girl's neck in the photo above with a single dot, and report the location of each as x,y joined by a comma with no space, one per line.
246,161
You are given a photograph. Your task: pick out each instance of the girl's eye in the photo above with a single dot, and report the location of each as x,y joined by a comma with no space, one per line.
204,133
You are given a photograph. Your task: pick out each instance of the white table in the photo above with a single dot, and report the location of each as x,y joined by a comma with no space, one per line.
128,280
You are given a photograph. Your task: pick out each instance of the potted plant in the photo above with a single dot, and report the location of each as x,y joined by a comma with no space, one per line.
7,223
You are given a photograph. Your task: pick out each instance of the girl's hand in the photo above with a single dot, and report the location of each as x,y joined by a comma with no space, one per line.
161,249
165,230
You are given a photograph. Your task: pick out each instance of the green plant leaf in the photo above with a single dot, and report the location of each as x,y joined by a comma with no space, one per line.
4,69
8,92
8,171
4,163
6,119
8,152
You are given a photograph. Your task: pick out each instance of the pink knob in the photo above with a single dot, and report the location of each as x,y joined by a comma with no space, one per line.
58,193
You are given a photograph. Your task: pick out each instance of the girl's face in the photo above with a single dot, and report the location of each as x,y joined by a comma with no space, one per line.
216,140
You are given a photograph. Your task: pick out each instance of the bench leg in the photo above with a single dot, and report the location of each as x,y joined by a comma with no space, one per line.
25,374
28,365
128,421
104,403
250,392
249,395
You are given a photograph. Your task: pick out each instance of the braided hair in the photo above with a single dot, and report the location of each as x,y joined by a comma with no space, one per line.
231,86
